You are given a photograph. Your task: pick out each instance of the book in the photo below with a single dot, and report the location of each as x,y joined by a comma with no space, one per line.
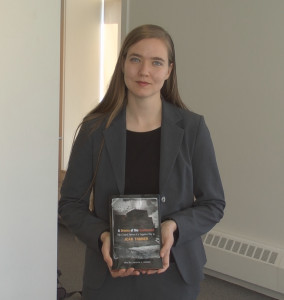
135,231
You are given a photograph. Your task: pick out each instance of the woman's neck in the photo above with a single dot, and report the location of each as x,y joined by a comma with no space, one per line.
143,115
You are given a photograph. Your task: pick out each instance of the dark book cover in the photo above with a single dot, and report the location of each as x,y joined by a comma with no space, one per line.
135,231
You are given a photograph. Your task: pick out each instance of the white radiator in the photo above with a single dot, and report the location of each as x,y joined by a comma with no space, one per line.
244,262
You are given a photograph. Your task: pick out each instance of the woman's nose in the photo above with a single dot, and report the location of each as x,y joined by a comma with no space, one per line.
144,69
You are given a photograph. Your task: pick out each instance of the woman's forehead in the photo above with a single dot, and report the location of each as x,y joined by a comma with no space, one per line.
151,47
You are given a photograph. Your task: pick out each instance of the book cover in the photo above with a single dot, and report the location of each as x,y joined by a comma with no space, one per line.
135,231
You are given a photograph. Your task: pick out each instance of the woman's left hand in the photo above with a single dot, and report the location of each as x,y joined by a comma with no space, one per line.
167,231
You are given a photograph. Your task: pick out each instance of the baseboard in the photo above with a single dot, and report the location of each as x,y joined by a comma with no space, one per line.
244,262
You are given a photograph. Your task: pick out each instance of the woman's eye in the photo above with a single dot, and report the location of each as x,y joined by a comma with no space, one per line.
134,59
157,63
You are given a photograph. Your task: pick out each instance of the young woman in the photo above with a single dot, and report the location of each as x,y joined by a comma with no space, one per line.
141,139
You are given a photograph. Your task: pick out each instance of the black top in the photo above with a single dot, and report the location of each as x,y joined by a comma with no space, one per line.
142,162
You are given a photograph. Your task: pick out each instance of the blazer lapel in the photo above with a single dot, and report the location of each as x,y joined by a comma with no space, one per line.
115,141
171,139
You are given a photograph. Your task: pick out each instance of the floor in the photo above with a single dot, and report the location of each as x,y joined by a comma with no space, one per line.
71,263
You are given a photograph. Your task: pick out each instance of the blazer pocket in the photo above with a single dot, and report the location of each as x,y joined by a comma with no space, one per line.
190,259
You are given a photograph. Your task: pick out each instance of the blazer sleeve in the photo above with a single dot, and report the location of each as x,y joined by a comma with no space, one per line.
209,204
75,191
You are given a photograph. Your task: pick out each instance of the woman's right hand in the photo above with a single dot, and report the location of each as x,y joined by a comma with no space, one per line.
105,239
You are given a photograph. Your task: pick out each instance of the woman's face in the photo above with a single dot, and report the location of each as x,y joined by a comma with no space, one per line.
146,68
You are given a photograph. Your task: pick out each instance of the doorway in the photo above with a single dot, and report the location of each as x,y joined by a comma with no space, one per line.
90,41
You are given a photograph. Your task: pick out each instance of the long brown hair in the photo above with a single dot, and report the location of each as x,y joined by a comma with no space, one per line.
115,97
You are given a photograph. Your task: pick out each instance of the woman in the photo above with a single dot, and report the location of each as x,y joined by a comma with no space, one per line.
141,139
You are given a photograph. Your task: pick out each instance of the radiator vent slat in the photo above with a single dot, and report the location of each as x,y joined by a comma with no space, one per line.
250,251
265,255
244,248
229,245
216,240
257,253
236,246
222,243
273,258
208,238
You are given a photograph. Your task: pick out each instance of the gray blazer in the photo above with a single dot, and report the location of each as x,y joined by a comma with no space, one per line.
189,182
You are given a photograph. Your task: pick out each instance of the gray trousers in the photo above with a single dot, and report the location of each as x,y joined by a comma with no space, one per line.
166,286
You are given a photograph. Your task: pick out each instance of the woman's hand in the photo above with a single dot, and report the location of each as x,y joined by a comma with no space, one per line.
105,238
167,231
167,234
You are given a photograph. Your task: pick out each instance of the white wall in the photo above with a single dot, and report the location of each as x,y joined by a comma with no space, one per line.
29,97
81,82
230,63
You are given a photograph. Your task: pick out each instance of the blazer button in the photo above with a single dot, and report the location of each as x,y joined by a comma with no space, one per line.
163,199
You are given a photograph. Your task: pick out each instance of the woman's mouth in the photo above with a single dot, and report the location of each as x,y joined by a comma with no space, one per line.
142,83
